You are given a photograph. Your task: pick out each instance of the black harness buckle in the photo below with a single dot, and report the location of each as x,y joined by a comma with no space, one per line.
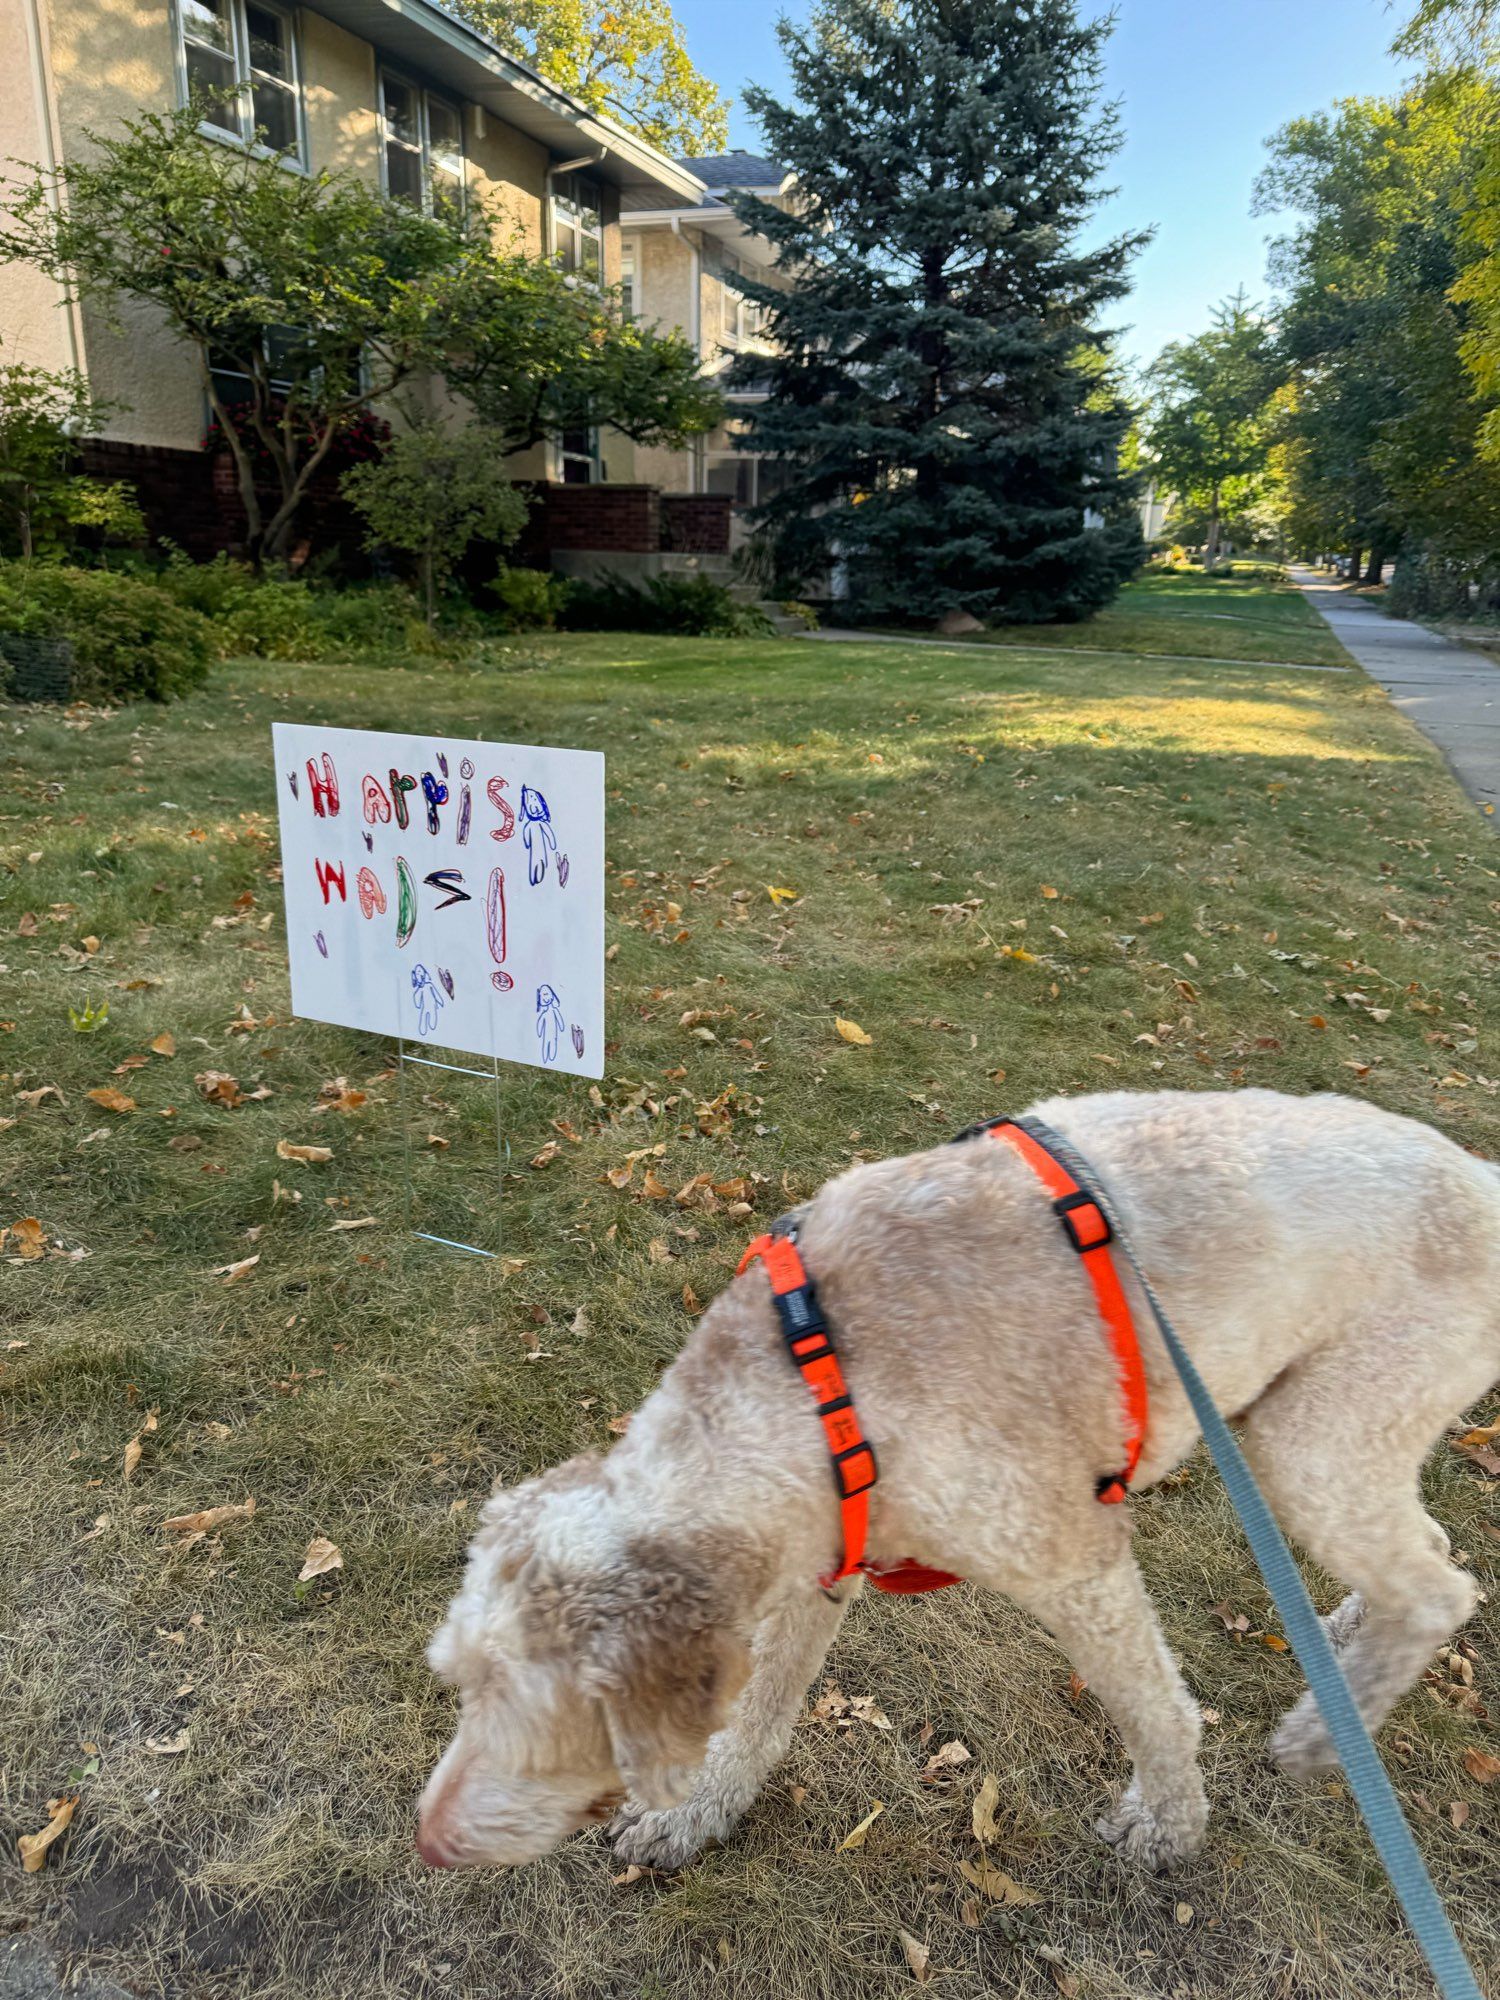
850,1483
1084,1222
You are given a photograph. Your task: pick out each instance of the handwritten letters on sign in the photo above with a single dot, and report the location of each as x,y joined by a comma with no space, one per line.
446,891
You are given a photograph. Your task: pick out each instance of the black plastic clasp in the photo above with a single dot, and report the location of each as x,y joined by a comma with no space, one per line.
978,1131
849,1482
1086,1225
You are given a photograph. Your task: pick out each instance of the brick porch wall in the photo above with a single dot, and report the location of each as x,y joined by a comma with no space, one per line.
192,498
697,523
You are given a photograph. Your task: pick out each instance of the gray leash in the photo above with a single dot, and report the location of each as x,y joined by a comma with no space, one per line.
1304,1630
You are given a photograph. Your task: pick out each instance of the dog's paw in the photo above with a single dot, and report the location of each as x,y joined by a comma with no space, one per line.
1159,1838
670,1839
1301,1746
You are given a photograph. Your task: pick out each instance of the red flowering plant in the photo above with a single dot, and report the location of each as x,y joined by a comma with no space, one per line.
359,437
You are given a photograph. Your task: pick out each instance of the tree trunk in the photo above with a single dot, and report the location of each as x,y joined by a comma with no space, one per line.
429,588
1376,566
1356,556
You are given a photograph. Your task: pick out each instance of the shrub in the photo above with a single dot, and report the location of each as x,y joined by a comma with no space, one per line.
130,639
431,493
693,607
531,600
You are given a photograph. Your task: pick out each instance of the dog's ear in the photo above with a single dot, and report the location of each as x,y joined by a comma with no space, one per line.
655,1642
674,1692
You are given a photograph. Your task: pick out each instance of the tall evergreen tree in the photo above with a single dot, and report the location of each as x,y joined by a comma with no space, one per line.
948,427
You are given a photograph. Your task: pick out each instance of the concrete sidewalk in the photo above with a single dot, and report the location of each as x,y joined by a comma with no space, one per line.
1449,692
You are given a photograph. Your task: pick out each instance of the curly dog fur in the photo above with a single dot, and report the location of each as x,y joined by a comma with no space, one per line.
634,1635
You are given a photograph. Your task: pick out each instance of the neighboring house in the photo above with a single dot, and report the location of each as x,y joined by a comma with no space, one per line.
396,91
678,261
1156,504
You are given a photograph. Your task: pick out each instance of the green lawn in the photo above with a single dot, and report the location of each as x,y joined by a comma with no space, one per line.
1021,873
1190,615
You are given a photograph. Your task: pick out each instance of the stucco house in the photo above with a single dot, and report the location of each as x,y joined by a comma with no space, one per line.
678,261
414,101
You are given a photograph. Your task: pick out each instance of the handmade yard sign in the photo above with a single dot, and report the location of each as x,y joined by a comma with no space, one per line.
446,891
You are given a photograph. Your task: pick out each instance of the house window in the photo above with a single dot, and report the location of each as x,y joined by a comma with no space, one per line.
578,224
232,385
422,145
739,317
630,297
578,457
239,61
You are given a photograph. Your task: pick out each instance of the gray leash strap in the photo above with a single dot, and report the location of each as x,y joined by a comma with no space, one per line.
1366,1774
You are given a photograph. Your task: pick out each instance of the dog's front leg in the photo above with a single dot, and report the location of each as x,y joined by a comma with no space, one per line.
788,1648
1108,1627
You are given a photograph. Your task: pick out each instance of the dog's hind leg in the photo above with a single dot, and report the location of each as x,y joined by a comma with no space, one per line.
1108,1628
788,1648
1354,1505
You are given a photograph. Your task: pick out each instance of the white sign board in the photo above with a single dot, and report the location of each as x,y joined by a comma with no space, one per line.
446,891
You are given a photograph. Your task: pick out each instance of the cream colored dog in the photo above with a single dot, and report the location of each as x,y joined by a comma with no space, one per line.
635,1635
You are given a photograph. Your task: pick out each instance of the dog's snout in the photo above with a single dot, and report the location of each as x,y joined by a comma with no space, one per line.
430,1846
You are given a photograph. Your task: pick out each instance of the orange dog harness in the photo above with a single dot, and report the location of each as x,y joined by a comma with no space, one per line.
809,1341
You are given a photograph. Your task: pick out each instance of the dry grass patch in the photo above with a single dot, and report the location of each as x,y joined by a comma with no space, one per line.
1073,872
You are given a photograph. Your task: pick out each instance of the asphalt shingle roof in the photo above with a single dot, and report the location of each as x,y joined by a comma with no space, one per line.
736,170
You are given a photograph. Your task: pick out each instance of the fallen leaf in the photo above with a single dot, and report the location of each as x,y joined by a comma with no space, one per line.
321,1557
1049,892
856,1836
1458,1813
219,1088
29,1237
996,1884
205,1522
865,1708
946,1759
360,1222
691,1301
985,1801
167,1746
917,1956
632,1874
232,1273
1481,1434
780,896
164,1044
853,1032
436,1139
1481,1766
132,1458
1066,1982
547,1155
1184,1914
618,1426
110,1099
34,1097
312,1155
186,1142
33,1846
654,1188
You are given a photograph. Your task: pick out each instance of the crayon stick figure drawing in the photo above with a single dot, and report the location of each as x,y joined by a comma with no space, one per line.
399,922
536,833
425,998
549,1022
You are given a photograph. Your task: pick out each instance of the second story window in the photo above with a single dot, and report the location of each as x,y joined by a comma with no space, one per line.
578,225
239,59
630,279
422,146
740,318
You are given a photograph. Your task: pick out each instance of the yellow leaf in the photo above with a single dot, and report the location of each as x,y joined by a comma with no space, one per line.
856,1838
996,1884
321,1557
780,896
110,1098
28,1236
985,1801
164,1044
1481,1434
312,1155
1049,892
853,1032
33,1846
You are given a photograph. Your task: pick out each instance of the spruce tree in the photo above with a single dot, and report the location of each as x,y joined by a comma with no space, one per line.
942,401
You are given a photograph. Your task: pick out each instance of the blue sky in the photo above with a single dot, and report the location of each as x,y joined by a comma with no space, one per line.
1203,83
